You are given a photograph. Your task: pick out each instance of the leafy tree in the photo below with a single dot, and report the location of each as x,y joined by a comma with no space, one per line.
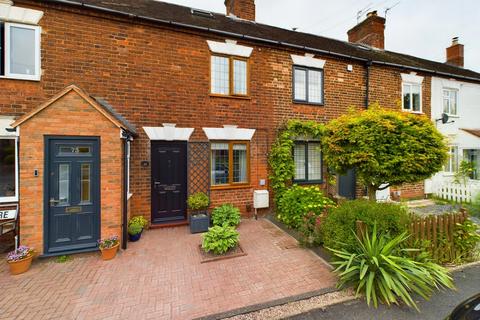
385,147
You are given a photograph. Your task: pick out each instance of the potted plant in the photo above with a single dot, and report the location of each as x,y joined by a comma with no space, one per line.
20,260
136,225
109,247
199,219
134,231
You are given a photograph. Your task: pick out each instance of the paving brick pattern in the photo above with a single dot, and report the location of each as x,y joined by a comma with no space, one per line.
161,277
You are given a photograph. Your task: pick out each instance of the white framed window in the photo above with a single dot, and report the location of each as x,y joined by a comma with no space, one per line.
229,75
20,49
452,163
307,158
307,85
450,101
412,97
8,169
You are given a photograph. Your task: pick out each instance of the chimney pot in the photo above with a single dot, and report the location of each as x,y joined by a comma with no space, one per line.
455,55
243,9
370,31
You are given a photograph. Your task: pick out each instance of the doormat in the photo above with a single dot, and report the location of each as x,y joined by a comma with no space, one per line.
210,257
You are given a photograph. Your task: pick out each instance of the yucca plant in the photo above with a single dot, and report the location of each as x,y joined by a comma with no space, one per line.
378,269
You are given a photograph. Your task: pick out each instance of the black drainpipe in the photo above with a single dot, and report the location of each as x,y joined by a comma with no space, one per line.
125,137
367,83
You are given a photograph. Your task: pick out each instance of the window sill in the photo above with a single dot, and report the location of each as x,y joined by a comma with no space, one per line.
303,182
230,186
321,104
213,95
36,79
413,112
8,200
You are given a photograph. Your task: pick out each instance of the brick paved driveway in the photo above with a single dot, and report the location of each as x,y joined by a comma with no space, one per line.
161,277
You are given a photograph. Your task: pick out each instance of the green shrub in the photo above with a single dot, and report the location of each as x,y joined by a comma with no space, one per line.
466,240
139,220
296,202
377,268
198,201
226,215
134,228
220,239
337,227
474,207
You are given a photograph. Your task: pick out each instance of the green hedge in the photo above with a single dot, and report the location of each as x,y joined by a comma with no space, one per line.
336,229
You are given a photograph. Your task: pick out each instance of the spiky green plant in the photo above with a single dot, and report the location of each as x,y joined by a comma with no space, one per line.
377,268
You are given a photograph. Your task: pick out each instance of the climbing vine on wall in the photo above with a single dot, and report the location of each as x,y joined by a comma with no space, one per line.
281,156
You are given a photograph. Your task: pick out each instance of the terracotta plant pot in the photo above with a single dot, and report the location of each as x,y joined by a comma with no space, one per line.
21,266
109,253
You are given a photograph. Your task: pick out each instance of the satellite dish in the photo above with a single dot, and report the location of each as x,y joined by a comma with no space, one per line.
445,118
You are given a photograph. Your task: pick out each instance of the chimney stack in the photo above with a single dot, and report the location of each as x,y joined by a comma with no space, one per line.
370,31
455,53
243,9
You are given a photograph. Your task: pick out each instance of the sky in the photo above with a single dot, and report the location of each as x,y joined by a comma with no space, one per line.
423,28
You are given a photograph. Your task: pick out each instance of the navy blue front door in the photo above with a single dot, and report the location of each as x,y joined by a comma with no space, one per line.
72,220
169,181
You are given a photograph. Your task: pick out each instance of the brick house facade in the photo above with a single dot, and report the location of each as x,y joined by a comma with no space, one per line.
156,73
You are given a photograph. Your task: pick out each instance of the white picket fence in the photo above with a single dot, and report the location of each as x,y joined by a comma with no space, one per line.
457,192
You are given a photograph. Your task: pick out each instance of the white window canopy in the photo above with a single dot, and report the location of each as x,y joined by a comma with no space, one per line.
169,132
308,60
230,47
5,128
11,13
412,78
229,132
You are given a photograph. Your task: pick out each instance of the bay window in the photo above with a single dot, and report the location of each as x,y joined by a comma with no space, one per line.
229,163
307,157
19,51
229,75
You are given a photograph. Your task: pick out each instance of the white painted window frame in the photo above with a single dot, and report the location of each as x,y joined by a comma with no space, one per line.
8,74
411,95
457,96
14,198
450,167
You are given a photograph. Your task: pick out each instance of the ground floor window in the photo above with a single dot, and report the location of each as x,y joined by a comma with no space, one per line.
229,163
8,170
473,156
307,157
452,163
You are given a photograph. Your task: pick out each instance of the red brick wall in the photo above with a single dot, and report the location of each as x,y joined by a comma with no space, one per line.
80,119
153,75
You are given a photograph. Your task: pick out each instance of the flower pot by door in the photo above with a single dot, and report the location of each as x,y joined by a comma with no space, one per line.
109,253
21,266
134,237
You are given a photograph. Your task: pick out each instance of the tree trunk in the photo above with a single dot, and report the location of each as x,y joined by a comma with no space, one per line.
372,193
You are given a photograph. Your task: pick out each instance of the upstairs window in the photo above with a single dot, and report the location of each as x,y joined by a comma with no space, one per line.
308,162
307,85
450,101
19,51
229,76
412,97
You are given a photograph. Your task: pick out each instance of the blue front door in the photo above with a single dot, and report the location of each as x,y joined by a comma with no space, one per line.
72,220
